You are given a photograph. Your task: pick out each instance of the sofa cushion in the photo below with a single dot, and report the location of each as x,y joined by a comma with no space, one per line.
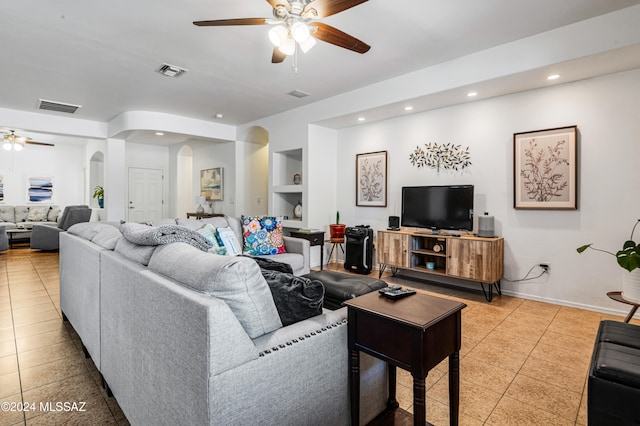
296,260
21,213
134,252
7,214
38,213
236,280
296,298
54,213
262,235
101,233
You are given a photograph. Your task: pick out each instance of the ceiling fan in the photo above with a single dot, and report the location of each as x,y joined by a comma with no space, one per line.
296,25
11,141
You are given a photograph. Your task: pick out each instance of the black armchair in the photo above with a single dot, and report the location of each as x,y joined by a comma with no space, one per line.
46,237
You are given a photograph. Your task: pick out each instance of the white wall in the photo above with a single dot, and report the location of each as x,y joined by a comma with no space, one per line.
605,110
65,163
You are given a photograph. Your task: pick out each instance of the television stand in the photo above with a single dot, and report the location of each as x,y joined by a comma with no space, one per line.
462,256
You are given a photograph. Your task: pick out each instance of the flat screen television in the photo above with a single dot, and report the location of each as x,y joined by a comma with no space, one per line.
438,207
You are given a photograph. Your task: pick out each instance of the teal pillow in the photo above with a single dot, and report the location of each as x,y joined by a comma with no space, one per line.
262,235
209,232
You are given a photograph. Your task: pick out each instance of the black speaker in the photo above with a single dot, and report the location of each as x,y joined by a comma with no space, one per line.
394,223
359,249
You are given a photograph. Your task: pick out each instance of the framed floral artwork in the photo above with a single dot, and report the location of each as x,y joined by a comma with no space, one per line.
545,172
371,179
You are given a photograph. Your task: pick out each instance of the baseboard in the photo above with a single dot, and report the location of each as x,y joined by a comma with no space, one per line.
584,306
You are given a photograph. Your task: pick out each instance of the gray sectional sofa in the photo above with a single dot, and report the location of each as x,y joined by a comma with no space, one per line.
187,337
13,216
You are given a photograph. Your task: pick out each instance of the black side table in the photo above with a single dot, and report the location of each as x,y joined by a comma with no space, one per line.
315,238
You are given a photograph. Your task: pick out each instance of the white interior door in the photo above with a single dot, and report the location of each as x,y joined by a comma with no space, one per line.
145,195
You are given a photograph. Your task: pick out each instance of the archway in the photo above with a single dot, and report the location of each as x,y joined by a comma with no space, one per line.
184,179
96,176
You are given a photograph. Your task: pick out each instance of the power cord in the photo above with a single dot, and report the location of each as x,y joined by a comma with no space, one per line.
545,270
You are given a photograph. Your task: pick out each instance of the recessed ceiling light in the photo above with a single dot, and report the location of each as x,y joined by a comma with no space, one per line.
408,108
553,77
159,134
472,94
361,118
218,115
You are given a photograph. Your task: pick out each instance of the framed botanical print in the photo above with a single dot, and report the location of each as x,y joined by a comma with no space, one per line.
371,179
545,169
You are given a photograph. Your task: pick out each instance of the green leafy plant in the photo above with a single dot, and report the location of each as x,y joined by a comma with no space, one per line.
628,258
98,193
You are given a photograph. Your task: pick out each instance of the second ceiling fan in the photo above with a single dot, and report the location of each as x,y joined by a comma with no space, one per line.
295,22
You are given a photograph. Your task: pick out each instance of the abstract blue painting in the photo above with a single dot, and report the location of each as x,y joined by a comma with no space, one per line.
40,190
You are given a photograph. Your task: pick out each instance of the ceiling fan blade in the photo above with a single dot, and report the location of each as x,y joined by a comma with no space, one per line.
226,22
39,143
326,8
277,56
333,35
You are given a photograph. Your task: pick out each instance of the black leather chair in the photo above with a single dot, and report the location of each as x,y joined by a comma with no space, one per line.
614,376
46,237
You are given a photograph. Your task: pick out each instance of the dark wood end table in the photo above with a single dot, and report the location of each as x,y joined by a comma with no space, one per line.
199,216
617,296
315,238
414,333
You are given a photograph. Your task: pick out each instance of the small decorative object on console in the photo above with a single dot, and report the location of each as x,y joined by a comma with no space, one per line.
297,179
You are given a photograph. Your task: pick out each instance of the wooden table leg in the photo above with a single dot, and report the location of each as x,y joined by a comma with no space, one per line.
419,396
631,314
392,402
354,386
454,387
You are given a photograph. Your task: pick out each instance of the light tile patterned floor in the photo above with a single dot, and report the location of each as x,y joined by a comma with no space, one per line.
522,362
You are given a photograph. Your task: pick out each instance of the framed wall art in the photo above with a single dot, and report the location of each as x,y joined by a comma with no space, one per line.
371,179
212,183
39,189
545,173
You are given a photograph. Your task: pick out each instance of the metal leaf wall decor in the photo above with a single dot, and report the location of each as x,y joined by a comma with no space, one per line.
446,156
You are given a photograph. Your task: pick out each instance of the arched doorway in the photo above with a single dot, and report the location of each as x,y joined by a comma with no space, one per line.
184,179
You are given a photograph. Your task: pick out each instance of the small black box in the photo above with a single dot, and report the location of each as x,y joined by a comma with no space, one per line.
394,223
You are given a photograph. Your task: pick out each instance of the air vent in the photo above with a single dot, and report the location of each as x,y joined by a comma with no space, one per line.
298,94
171,70
57,106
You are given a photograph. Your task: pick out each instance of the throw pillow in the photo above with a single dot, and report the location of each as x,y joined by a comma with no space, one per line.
209,232
296,298
228,239
262,235
37,214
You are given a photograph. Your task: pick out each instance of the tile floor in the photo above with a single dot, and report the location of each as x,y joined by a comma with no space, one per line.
522,362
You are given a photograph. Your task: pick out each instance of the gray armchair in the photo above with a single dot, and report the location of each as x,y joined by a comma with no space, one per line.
46,237
4,240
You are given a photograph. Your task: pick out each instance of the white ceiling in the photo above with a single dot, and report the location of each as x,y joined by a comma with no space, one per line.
102,55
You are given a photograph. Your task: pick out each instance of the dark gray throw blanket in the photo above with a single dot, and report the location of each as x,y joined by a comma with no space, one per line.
296,298
144,235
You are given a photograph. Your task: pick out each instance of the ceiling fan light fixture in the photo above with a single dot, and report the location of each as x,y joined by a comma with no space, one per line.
278,35
306,45
17,146
7,146
300,31
288,47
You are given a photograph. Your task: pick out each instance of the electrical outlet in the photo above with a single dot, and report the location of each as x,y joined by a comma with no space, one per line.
544,266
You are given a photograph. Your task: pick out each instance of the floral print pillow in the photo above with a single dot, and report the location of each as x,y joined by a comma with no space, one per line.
262,235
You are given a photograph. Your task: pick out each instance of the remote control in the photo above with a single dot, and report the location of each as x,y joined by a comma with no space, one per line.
399,294
390,288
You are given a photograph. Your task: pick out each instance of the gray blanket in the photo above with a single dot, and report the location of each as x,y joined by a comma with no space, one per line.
165,234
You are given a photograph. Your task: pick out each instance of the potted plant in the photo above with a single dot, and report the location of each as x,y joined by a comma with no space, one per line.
98,193
336,230
629,260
